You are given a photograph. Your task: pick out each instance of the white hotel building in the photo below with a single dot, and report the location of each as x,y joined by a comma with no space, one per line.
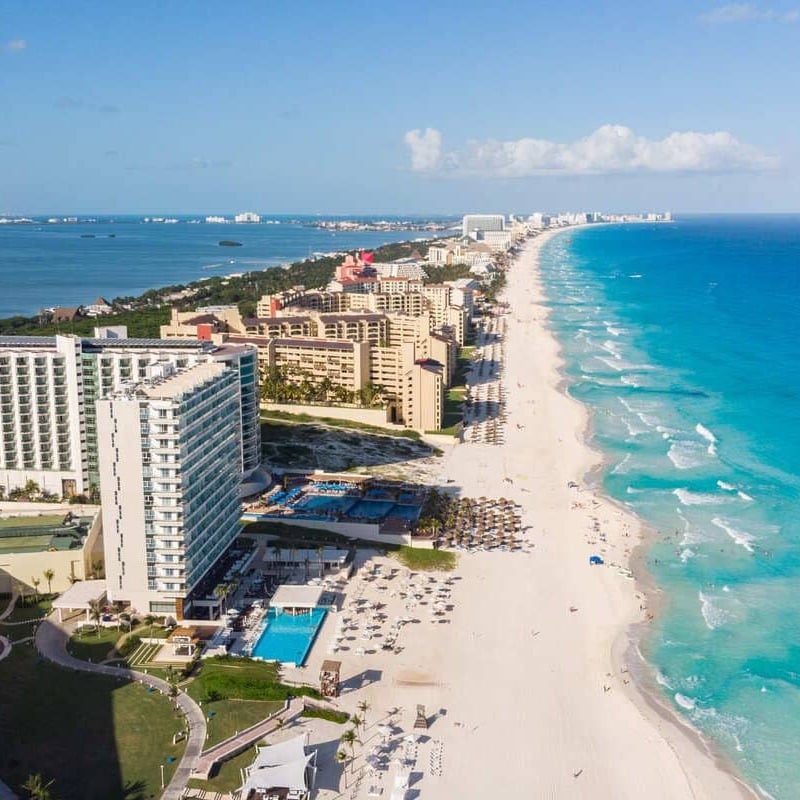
169,472
49,387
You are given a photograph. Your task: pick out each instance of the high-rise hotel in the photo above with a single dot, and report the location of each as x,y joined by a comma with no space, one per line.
169,477
49,386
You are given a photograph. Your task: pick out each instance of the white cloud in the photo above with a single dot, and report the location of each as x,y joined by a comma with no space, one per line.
426,149
747,12
609,149
15,45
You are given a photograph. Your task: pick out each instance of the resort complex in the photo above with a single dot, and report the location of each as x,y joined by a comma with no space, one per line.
324,632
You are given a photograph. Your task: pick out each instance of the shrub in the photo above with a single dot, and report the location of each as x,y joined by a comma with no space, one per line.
129,646
339,717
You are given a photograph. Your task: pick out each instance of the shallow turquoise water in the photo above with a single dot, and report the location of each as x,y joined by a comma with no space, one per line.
684,341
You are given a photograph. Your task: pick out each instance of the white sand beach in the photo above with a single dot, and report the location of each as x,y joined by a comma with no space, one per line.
527,687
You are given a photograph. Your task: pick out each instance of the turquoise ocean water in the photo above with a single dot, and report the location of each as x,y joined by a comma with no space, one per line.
684,342
44,265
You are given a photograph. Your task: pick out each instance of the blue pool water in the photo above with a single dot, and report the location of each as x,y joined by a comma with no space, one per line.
352,507
288,638
684,342
318,502
371,509
409,513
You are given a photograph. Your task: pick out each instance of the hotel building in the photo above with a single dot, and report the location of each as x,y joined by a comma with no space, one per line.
482,222
169,476
49,387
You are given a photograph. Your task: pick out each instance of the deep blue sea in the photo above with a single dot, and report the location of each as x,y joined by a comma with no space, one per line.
684,342
44,265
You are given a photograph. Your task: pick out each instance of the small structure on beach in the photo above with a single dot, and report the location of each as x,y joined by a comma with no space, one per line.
329,678
421,721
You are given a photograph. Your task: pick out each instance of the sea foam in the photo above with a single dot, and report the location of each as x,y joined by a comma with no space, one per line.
714,616
709,437
686,455
742,538
689,498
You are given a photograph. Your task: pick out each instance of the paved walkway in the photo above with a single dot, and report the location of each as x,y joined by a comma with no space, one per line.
229,748
11,604
51,642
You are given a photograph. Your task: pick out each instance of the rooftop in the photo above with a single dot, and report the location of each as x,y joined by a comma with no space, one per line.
288,596
180,382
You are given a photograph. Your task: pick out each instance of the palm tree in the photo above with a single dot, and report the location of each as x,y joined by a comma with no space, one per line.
341,757
320,554
349,738
221,592
149,620
356,721
35,582
95,614
37,788
48,576
125,619
172,680
363,707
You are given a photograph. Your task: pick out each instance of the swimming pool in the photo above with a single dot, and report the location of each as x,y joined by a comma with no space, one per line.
321,502
288,638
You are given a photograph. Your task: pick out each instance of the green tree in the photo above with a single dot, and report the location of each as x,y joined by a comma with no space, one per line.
37,788
341,758
350,738
48,576
221,592
149,620
95,614
363,707
31,490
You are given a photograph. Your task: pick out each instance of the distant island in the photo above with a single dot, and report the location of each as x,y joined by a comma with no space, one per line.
229,243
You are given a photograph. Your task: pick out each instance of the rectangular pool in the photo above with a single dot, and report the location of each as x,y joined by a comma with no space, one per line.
288,638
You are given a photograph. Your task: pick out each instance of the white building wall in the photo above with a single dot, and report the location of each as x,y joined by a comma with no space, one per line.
169,491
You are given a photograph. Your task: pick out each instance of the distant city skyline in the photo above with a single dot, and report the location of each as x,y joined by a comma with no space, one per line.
414,108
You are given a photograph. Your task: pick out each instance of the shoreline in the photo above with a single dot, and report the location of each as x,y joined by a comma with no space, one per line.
627,649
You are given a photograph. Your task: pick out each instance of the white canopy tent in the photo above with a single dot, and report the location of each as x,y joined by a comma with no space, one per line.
274,754
80,596
281,766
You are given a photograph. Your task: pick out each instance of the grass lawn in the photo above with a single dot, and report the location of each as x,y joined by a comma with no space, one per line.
94,647
96,737
230,716
228,777
43,521
33,612
226,678
421,559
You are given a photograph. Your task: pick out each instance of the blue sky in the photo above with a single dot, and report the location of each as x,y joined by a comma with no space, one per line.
356,107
